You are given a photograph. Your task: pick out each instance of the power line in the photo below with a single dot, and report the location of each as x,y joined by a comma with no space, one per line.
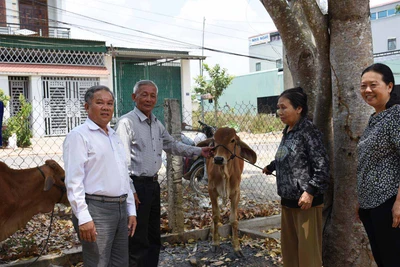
155,35
199,47
169,16
185,27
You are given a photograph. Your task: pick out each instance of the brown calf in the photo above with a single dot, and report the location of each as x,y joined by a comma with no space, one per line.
224,175
24,193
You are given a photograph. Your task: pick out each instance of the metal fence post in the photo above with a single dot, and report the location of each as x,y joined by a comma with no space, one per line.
173,124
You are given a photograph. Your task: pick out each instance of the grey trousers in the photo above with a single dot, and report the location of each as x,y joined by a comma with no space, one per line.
111,246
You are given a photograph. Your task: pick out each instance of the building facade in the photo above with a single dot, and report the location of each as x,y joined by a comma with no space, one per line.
32,17
384,26
386,35
268,46
53,72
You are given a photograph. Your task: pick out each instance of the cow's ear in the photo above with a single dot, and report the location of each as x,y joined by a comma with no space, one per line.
204,143
56,167
48,183
247,153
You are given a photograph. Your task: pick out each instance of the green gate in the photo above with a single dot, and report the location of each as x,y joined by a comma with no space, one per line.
167,76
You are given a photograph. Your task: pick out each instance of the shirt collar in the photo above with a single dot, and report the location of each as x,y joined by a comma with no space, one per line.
94,127
296,126
143,117
374,118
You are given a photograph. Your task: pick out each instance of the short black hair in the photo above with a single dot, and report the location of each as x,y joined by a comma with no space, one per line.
297,98
92,90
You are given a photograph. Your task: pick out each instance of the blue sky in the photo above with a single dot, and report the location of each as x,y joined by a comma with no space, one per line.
228,24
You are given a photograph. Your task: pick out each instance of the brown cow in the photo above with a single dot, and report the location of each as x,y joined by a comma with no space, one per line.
24,193
224,175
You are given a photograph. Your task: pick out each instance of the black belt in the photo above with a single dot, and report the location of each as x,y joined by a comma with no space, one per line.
153,178
120,199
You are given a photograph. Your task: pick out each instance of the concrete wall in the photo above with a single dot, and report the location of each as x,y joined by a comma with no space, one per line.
12,11
271,50
245,89
394,64
53,14
385,28
186,95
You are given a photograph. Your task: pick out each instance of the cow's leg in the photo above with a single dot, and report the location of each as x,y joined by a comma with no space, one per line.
215,216
234,223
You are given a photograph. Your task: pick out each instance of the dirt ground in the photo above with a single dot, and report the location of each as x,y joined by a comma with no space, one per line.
199,254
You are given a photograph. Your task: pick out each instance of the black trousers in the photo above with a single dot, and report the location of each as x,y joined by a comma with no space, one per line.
384,239
144,246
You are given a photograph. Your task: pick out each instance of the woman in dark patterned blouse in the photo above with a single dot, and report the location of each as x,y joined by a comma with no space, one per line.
378,172
302,176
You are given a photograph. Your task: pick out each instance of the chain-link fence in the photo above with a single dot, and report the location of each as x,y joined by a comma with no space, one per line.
47,122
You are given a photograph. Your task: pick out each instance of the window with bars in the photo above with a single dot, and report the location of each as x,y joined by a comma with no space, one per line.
18,86
258,66
392,44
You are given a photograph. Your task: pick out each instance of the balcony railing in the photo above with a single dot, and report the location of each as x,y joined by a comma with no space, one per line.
21,29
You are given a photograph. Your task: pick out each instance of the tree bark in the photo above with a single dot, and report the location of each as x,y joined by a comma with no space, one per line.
350,52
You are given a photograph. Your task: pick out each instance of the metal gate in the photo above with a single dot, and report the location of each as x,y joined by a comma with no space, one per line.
167,76
63,102
18,86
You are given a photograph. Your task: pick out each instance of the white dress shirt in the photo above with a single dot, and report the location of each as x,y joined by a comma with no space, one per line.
95,164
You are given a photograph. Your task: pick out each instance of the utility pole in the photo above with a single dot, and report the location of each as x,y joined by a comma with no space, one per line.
202,47
201,69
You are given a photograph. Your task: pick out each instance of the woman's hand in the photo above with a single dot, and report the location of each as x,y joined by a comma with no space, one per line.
266,171
396,213
305,201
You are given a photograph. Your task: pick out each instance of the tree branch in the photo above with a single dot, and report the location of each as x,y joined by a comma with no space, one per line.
286,23
316,20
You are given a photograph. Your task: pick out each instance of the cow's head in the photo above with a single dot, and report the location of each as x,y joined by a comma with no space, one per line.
54,177
227,145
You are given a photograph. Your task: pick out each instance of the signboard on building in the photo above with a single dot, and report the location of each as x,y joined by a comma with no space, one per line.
259,39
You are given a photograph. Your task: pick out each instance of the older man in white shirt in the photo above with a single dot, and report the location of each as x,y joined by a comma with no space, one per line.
144,137
98,184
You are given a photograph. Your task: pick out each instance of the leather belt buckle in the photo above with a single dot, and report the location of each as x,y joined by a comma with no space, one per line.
155,177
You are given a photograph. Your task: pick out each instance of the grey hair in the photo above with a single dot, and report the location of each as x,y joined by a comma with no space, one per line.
144,82
92,90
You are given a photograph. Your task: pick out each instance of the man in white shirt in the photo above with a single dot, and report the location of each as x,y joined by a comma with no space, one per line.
98,184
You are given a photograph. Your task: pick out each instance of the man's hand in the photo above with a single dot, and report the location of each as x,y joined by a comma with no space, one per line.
207,151
87,231
305,201
396,213
137,201
131,225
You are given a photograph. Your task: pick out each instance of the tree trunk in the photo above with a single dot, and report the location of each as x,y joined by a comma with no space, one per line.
345,242
216,111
